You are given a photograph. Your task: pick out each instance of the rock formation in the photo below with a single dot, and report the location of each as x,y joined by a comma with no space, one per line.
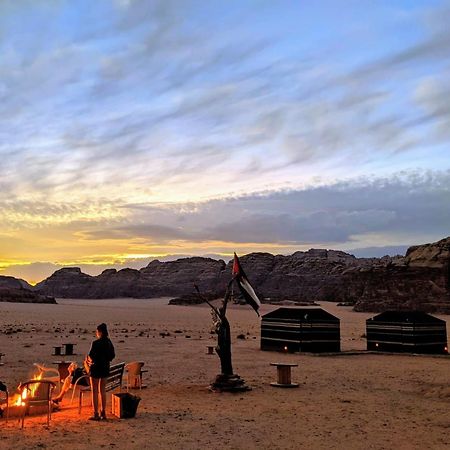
419,280
168,279
15,290
302,277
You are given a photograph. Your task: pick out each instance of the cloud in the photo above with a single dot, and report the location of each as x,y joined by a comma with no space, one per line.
366,216
160,122
433,47
432,96
148,87
413,204
157,233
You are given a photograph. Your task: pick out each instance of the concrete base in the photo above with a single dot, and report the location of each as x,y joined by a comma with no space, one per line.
229,383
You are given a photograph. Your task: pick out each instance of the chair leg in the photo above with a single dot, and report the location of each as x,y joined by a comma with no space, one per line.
23,415
79,402
50,406
73,394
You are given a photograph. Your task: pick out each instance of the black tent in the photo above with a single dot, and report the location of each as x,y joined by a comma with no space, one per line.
406,331
300,330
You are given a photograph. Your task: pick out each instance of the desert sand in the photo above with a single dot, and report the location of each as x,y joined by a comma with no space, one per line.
350,401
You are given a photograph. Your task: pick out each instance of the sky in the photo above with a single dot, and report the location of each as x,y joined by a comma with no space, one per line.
140,129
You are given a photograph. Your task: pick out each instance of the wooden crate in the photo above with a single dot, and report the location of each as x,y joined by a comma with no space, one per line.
116,405
124,405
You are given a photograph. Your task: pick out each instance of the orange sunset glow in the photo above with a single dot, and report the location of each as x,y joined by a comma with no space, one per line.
135,130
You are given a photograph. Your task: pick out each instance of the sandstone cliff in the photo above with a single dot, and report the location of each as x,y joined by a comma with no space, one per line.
419,280
310,276
15,290
174,278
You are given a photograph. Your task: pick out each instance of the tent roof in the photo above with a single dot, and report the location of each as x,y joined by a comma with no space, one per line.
406,316
302,314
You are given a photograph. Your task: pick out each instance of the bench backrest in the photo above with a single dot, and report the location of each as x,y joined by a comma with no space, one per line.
114,379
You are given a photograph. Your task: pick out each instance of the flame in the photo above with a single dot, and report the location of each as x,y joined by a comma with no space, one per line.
20,401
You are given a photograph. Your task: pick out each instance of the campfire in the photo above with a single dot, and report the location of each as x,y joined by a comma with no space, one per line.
20,397
31,397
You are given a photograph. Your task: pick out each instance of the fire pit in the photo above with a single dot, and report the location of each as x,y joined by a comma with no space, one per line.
33,397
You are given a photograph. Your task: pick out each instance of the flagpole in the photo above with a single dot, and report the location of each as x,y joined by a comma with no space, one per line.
227,380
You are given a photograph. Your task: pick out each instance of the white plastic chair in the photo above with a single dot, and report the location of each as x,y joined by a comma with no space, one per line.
134,375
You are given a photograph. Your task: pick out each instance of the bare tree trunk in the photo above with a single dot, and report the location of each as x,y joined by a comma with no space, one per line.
223,348
227,381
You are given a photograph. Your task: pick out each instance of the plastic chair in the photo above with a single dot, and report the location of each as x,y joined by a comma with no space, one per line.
78,384
38,393
134,374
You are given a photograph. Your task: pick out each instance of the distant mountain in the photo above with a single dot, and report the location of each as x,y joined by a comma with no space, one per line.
418,280
17,290
158,279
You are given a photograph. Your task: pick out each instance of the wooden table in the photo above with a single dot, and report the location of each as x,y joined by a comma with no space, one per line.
68,349
284,375
57,350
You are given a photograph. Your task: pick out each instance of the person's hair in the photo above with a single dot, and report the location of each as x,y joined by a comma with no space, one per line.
102,328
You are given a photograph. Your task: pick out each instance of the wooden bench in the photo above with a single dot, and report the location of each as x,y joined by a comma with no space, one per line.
113,381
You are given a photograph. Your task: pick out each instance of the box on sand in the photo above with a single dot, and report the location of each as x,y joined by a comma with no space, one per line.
124,405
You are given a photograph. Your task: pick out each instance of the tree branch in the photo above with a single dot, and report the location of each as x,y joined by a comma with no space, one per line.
206,300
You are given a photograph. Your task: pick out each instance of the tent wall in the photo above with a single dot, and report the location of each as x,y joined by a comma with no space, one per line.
280,335
298,334
415,337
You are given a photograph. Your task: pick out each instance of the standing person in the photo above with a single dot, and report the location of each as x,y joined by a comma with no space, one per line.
99,358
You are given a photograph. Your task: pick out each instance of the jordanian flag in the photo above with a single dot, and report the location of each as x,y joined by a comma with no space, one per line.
244,285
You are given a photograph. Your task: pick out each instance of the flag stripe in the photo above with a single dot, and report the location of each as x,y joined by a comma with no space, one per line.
245,287
248,287
249,299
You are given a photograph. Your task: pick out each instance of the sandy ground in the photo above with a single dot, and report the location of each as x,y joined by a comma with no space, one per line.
343,402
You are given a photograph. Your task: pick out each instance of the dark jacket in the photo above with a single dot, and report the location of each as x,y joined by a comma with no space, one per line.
101,353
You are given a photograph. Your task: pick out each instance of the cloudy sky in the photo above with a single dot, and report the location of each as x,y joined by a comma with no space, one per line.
135,129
